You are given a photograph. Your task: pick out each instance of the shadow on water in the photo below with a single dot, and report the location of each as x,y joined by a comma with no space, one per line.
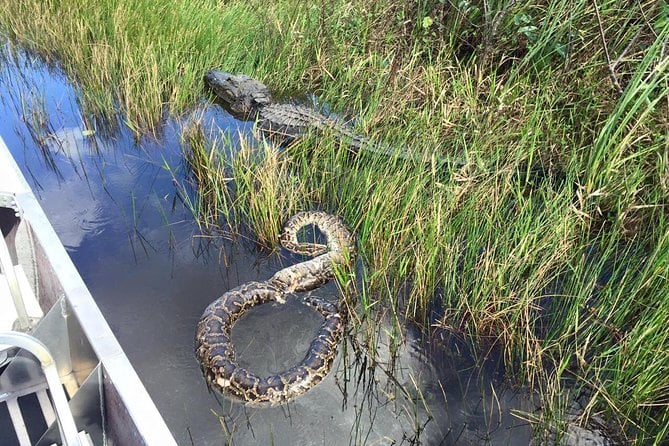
116,209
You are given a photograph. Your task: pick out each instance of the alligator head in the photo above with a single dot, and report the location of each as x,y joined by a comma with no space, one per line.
241,95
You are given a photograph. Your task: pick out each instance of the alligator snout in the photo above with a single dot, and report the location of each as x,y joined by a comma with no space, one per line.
216,77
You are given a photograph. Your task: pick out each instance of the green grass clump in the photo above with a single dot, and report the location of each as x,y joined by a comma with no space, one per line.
549,240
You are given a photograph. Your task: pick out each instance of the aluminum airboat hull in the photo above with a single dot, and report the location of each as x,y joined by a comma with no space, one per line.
106,398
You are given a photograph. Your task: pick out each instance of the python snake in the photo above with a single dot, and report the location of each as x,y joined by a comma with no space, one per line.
214,348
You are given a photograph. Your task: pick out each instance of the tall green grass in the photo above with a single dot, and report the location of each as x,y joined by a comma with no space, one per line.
548,242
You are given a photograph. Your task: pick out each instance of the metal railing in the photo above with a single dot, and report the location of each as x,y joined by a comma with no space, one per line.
7,266
63,416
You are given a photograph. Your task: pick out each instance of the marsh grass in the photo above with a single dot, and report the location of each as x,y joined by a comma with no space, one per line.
549,241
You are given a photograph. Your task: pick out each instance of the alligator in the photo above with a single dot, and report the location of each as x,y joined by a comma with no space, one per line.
246,98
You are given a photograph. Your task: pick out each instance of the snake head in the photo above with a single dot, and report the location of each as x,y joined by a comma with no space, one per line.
241,95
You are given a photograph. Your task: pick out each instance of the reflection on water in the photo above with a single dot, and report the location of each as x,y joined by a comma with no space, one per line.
116,209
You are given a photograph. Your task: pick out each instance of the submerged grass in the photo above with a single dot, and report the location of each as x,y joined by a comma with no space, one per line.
549,241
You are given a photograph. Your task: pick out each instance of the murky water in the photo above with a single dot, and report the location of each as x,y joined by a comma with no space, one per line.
115,208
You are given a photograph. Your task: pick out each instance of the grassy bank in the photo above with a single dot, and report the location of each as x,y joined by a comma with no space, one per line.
551,241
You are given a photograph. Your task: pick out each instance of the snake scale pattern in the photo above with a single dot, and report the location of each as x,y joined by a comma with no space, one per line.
214,348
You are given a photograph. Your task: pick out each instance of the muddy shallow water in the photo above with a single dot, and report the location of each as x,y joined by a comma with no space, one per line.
115,207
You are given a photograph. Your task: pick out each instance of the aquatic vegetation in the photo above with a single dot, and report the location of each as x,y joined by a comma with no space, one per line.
549,242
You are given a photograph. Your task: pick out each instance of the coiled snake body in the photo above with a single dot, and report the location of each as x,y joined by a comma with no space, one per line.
214,348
